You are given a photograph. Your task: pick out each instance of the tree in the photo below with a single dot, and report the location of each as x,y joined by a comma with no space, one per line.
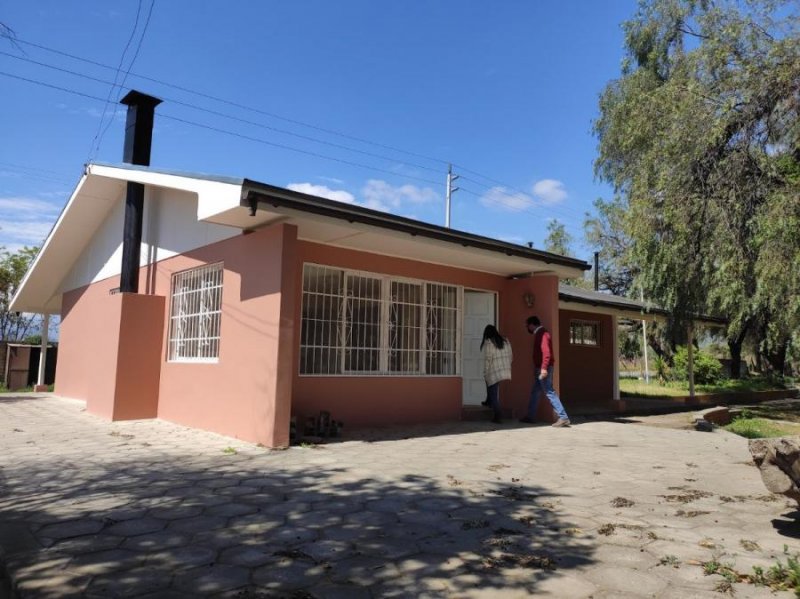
557,240
700,136
13,266
605,233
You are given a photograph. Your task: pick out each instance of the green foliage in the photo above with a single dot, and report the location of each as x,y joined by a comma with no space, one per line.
699,137
558,240
605,232
707,369
13,267
230,451
662,368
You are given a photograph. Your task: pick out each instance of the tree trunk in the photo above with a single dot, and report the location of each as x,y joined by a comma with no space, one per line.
735,347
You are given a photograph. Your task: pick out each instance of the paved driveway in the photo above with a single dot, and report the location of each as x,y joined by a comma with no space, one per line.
598,510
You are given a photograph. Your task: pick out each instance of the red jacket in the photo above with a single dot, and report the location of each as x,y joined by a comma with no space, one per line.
543,356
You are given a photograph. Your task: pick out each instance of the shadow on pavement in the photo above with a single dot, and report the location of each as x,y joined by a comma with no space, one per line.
250,526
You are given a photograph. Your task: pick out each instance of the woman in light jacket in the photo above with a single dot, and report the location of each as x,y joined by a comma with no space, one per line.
497,357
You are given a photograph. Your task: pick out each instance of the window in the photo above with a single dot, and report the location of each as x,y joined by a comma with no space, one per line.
584,332
195,314
361,323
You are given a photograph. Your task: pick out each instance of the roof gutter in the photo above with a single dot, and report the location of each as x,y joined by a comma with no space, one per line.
634,309
254,194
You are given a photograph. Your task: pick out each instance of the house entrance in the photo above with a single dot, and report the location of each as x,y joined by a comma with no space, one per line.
480,309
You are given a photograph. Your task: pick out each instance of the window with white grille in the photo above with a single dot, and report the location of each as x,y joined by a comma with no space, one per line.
195,314
584,332
357,323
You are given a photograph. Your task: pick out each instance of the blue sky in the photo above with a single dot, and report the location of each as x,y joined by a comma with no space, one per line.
506,91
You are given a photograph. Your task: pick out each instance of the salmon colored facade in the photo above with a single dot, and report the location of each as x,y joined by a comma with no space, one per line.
114,346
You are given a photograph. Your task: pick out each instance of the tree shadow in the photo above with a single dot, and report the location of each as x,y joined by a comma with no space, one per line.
253,525
788,525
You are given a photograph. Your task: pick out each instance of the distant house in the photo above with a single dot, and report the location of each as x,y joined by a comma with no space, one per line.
257,303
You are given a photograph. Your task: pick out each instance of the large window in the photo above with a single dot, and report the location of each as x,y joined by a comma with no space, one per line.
360,323
584,332
195,314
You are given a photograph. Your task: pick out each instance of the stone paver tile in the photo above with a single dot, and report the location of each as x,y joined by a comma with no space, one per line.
155,541
213,578
133,582
248,556
182,557
73,528
197,524
228,510
287,574
110,560
137,526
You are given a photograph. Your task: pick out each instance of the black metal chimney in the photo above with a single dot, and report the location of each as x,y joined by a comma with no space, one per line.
138,141
597,271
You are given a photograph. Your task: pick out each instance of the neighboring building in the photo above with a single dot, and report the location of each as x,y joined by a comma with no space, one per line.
257,303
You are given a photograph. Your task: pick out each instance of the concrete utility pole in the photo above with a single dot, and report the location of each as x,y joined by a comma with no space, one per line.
644,343
450,190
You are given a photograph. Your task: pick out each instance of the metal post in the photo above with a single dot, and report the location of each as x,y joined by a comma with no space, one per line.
450,190
597,271
644,343
43,352
691,360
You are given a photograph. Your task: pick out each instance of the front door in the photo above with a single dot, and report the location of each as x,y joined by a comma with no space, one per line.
479,310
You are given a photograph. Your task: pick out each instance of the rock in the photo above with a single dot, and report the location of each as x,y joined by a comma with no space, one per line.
779,463
701,424
719,415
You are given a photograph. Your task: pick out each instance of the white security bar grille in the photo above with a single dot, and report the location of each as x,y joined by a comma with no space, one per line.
357,323
584,332
195,314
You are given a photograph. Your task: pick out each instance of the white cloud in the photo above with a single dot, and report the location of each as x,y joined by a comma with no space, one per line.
26,221
501,197
381,195
549,191
324,192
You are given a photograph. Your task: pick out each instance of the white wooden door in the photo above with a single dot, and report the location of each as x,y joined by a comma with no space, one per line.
479,311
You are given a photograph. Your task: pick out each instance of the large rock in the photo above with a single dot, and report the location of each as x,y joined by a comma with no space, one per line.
779,462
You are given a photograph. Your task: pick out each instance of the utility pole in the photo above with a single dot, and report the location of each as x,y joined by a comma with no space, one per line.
644,342
450,190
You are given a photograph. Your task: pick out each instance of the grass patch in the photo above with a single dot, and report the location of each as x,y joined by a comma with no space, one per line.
637,388
762,428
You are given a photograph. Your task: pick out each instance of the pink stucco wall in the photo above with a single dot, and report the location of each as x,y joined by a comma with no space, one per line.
382,400
247,393
254,387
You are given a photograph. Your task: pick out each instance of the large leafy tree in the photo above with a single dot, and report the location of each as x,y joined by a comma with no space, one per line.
700,137
13,266
558,241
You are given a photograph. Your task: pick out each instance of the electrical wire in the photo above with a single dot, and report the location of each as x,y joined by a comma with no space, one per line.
483,197
457,166
114,85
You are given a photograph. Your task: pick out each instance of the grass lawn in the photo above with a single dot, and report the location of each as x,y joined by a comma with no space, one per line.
637,388
759,428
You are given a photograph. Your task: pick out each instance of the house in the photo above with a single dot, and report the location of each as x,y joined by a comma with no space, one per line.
243,304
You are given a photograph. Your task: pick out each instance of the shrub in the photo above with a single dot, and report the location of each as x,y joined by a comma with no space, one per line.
707,369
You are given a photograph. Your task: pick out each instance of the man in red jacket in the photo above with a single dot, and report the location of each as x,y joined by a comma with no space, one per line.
543,361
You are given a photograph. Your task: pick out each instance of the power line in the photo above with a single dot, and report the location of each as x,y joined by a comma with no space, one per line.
483,197
293,121
127,72
228,116
114,85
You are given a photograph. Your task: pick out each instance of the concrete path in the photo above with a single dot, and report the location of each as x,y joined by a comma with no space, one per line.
601,509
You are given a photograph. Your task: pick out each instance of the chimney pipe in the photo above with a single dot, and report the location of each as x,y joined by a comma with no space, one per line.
597,271
138,141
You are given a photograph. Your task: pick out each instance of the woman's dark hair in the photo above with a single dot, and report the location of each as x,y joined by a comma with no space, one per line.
491,332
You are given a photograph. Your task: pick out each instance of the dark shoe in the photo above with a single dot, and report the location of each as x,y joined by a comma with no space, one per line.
485,403
526,420
561,422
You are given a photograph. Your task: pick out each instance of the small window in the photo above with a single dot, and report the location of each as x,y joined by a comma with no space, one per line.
584,332
195,314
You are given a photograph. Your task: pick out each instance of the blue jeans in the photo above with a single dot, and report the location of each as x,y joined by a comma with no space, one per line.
493,395
545,386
